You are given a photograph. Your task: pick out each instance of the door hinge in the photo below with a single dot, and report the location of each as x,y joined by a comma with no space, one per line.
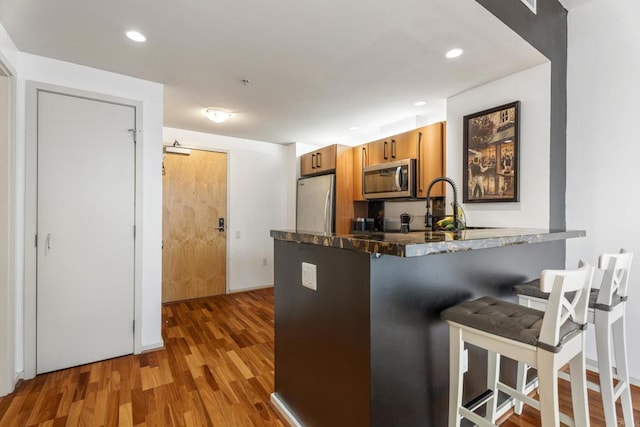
36,241
135,135
134,231
134,325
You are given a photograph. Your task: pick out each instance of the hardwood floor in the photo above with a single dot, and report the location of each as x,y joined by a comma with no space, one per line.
216,369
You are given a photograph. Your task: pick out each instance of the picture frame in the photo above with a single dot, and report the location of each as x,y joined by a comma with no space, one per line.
491,155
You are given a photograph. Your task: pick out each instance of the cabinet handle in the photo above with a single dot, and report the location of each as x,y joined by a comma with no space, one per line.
318,163
384,151
393,148
364,155
419,166
313,161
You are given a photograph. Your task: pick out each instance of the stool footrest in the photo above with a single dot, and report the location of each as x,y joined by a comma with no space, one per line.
480,400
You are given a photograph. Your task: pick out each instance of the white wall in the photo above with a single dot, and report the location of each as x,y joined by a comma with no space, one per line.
603,145
258,199
8,258
533,89
31,67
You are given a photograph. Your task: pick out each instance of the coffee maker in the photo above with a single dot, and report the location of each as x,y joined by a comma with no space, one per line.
405,220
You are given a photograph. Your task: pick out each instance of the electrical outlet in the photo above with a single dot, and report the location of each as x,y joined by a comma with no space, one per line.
309,276
465,360
264,261
237,234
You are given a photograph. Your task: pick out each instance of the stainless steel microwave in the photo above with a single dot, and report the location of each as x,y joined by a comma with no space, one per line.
390,180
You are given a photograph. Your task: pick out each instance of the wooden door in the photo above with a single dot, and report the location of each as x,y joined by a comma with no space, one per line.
194,255
85,242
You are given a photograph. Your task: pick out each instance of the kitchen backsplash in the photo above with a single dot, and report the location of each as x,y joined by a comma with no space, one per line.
417,209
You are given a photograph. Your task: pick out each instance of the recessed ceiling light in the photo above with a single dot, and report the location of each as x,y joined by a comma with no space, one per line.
217,115
454,53
420,103
136,36
354,128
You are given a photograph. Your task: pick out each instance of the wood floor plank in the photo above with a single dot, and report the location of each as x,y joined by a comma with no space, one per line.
216,369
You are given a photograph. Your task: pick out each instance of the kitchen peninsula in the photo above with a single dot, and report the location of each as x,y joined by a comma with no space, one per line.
367,345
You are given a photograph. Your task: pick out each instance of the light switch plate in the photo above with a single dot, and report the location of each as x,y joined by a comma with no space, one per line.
309,276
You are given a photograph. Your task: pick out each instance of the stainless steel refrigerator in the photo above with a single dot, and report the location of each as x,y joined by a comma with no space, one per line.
316,204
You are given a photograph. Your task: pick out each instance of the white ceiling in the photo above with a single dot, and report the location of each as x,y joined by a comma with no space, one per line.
316,68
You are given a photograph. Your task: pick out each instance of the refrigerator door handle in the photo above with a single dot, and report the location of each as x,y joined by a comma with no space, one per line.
327,225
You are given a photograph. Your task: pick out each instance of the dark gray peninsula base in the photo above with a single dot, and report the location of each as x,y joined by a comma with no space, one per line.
368,346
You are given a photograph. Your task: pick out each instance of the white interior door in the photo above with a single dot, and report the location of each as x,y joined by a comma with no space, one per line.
85,243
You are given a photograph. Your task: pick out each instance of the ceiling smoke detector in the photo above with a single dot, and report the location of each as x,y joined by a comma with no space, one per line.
217,115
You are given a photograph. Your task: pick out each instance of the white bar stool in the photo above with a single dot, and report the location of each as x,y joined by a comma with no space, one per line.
545,340
607,307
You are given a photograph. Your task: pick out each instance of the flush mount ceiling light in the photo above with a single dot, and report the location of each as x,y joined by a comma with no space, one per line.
354,128
136,36
454,53
420,103
217,115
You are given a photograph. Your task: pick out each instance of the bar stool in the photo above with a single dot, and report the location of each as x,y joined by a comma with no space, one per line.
607,311
545,340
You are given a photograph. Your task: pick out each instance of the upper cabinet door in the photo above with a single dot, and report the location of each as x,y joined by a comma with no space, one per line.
379,152
326,159
403,146
308,164
360,160
397,147
319,161
431,158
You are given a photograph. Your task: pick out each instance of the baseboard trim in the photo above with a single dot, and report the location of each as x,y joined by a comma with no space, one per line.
253,288
284,412
152,347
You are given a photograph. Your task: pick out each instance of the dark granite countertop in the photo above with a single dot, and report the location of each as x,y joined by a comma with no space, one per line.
422,243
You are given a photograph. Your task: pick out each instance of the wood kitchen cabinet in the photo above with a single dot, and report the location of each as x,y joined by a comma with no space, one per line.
426,145
431,159
390,149
319,161
337,159
360,155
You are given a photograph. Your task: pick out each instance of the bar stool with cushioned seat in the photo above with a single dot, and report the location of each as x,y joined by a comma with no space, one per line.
607,311
544,340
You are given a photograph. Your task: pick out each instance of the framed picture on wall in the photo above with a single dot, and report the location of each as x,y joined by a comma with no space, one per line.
490,157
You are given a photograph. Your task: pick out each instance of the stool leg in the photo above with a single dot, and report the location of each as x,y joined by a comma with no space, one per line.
603,347
548,389
521,383
620,350
493,376
579,398
455,375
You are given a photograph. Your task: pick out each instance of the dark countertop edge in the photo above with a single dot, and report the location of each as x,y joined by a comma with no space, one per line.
392,244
